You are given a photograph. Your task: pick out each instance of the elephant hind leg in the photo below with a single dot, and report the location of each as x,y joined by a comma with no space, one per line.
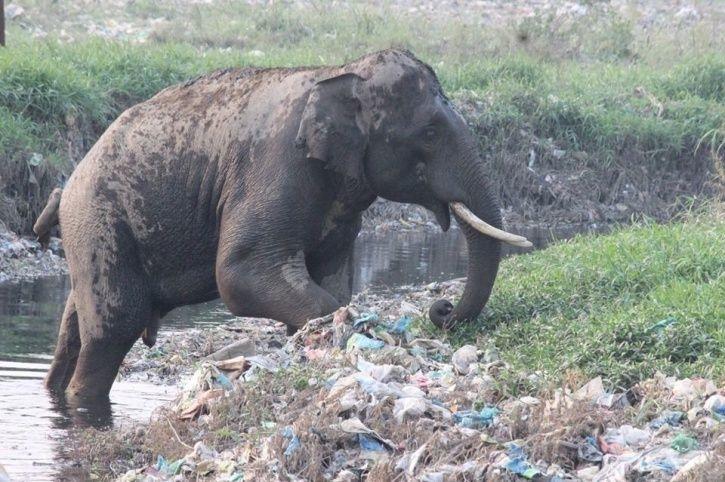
101,354
66,351
97,367
114,307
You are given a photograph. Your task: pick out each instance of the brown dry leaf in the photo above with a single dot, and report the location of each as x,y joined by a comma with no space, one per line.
236,364
200,404
341,315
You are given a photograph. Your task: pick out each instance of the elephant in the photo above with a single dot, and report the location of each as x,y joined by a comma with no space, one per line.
249,185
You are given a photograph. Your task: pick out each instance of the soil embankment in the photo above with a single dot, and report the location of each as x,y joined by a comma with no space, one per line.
538,180
542,181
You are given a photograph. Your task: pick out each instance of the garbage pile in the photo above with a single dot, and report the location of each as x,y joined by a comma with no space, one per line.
23,258
175,353
380,402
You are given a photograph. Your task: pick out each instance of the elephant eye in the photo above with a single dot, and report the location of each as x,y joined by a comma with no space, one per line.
429,133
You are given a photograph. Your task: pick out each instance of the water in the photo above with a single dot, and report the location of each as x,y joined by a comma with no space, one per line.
36,429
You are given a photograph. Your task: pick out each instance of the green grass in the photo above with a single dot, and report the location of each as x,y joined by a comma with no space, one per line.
603,109
575,82
622,306
605,90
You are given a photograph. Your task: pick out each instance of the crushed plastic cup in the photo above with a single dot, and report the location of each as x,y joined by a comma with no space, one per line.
683,443
362,342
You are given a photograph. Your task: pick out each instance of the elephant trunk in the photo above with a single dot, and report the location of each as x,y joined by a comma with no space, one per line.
484,251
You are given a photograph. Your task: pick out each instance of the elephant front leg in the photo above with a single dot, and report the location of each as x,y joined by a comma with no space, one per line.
276,286
331,264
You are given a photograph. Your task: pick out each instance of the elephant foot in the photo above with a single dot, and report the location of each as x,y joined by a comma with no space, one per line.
95,412
440,314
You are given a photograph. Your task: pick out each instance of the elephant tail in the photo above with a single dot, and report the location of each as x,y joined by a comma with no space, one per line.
48,218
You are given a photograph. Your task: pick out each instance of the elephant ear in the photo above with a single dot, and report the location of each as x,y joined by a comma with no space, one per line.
332,129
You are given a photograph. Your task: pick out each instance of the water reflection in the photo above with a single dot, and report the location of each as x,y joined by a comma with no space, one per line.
33,424
408,258
396,259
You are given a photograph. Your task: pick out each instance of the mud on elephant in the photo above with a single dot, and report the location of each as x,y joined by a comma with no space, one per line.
249,185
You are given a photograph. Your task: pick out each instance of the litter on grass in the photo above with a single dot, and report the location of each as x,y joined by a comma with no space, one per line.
380,401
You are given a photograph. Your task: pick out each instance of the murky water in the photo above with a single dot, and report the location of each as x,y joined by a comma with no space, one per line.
34,429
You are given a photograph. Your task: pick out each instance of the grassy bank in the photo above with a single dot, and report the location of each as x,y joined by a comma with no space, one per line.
622,306
595,93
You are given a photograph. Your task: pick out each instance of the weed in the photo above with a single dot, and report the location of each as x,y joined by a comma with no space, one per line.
624,306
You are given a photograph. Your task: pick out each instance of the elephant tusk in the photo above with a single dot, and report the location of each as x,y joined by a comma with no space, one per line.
484,228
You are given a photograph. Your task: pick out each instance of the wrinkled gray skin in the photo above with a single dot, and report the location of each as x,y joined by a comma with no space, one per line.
249,185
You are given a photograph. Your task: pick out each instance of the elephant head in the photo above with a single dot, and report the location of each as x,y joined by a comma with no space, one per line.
384,122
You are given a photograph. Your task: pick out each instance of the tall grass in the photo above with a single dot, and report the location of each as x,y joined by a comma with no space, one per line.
600,108
597,85
622,306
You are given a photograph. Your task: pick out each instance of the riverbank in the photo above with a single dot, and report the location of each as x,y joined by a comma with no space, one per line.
596,356
592,113
21,258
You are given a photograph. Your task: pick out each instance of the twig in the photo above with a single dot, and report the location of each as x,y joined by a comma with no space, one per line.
311,326
177,435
